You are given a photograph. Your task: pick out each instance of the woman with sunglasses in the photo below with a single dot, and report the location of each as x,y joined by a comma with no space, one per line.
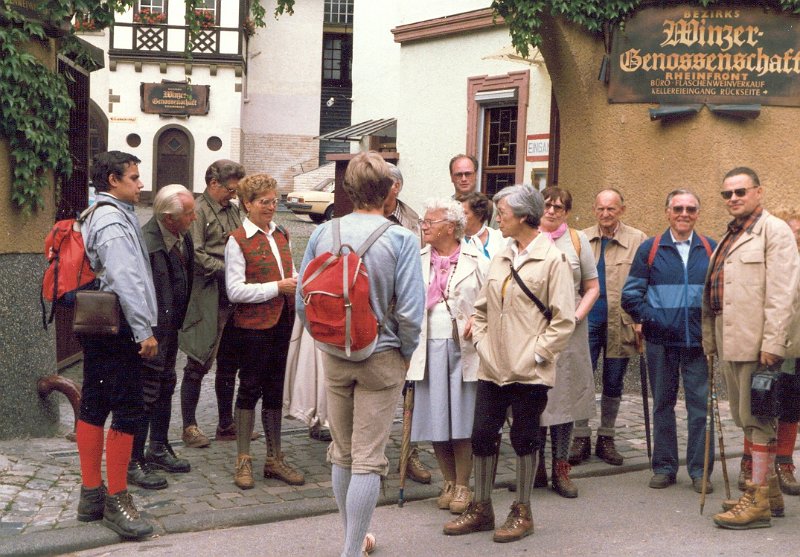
261,281
572,398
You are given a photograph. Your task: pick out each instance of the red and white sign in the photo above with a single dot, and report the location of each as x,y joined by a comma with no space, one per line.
538,148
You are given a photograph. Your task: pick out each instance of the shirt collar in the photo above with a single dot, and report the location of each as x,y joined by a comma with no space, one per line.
686,241
170,239
619,223
251,229
735,227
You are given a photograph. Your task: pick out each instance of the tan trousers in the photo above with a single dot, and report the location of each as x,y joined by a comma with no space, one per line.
362,399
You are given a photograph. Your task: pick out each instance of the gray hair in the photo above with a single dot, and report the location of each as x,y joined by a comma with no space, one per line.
168,200
524,201
454,213
681,191
397,176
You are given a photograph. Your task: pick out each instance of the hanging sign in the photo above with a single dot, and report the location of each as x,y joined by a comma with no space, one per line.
174,98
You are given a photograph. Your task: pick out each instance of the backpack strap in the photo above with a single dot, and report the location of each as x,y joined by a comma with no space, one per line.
576,241
373,238
706,245
653,249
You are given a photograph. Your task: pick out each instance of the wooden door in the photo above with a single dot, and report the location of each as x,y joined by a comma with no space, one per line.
174,159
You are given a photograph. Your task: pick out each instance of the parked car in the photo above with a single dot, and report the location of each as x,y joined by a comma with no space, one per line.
317,202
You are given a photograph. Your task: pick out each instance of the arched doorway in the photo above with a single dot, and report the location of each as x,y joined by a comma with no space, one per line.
174,158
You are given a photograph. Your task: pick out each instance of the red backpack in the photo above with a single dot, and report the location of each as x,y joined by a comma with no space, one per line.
335,291
68,267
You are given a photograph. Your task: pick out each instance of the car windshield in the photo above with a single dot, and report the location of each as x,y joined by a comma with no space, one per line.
325,185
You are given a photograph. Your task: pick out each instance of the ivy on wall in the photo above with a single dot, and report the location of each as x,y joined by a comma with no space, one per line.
34,103
524,16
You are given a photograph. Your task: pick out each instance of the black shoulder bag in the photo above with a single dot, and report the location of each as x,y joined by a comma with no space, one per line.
545,310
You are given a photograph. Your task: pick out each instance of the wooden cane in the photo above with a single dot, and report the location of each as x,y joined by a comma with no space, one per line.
720,440
707,451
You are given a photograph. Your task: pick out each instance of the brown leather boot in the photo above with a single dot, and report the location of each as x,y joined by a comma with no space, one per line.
479,517
776,507
606,451
415,470
752,510
243,474
518,524
745,472
786,479
562,484
276,467
446,495
580,450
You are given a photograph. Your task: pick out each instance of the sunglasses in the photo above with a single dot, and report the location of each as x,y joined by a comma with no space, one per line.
740,192
459,175
554,207
681,209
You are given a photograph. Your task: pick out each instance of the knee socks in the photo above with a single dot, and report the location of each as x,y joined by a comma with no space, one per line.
90,450
190,395
787,436
118,455
483,469
763,462
224,385
362,496
559,439
609,408
526,466
340,477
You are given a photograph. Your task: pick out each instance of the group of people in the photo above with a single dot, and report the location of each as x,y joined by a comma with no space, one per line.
491,324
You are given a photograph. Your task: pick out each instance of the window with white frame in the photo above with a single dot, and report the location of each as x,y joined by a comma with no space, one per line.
153,6
339,11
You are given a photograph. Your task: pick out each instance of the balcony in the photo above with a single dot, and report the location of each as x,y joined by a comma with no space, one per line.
163,43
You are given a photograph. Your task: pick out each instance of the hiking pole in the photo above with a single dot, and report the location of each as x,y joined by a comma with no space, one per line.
645,400
718,425
707,451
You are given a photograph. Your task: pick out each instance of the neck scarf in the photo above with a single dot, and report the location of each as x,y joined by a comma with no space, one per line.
557,233
441,268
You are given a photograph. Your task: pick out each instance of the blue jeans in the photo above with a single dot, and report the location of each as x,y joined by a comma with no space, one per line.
665,363
613,368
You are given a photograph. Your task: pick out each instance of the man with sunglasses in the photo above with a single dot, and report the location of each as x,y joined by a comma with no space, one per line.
204,337
749,293
663,293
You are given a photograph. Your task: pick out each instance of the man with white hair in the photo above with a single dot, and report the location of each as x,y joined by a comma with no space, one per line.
171,253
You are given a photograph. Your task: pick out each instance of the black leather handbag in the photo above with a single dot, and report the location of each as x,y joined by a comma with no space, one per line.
764,395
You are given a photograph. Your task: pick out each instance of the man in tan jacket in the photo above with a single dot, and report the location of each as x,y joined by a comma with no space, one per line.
750,290
611,330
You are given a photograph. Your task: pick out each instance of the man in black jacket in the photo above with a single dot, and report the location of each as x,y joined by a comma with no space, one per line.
172,261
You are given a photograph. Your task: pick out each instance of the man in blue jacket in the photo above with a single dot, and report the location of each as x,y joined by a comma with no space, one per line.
664,292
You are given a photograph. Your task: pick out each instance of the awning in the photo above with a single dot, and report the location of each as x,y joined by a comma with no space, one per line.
357,131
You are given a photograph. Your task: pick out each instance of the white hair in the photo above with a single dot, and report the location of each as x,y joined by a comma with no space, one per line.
454,212
168,200
396,175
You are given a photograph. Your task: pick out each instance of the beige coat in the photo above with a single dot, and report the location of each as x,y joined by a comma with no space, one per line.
465,286
619,254
762,273
510,330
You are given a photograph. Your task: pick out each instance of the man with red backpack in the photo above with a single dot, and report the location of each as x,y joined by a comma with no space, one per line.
363,384
664,293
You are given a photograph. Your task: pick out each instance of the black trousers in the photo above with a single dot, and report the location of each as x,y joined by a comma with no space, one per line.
527,404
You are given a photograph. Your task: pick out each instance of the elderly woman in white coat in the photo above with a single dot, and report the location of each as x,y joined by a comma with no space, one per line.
572,397
445,365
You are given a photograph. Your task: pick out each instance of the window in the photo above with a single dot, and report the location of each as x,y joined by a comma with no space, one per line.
339,11
499,148
153,6
337,53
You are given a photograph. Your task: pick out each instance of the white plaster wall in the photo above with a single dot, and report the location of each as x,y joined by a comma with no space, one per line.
284,73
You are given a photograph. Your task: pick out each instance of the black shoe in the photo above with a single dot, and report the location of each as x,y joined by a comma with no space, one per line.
121,515
141,475
92,503
161,457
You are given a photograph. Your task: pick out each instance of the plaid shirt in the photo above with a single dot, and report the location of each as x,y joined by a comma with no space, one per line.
716,279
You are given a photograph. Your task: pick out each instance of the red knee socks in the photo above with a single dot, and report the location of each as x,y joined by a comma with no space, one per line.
787,435
118,455
763,462
90,450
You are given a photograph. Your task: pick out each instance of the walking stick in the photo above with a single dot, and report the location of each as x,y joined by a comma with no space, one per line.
645,399
707,451
718,425
405,441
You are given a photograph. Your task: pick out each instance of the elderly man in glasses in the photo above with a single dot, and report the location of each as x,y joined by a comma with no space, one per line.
749,294
663,293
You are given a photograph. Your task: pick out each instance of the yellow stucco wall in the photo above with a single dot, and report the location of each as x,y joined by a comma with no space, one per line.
617,145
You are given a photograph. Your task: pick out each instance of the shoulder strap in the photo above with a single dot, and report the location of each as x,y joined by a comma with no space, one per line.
706,245
89,210
576,241
337,237
545,310
373,238
653,249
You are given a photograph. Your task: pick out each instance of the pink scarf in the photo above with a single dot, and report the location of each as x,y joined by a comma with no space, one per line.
557,233
441,268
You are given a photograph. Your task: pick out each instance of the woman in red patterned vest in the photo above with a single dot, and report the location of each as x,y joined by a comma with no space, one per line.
261,280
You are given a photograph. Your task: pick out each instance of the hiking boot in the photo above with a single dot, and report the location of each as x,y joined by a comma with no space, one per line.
243,474
161,457
745,472
121,515
776,508
226,433
194,438
92,503
660,481
580,450
446,495
479,517
462,497
319,433
606,450
562,484
751,511
786,479
540,479
140,474
697,485
518,524
415,470
276,467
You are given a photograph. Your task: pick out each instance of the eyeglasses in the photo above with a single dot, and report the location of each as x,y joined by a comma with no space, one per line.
681,209
427,223
267,202
226,188
554,207
460,175
740,192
